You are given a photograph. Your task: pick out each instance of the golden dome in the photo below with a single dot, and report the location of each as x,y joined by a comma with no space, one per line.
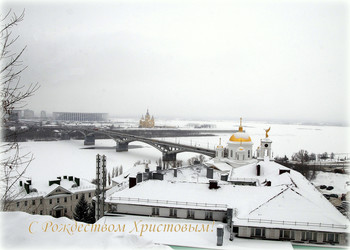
240,136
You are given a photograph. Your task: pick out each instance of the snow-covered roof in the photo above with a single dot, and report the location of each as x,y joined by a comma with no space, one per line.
43,189
289,202
220,165
132,172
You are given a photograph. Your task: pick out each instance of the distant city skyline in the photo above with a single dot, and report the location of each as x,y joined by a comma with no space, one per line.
262,60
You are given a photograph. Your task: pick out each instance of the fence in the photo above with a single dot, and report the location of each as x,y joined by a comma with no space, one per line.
294,223
180,203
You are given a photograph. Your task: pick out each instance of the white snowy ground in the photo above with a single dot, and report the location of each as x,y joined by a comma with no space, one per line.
16,235
191,239
338,181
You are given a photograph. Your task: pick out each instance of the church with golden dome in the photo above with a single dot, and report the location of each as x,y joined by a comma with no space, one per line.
239,149
147,121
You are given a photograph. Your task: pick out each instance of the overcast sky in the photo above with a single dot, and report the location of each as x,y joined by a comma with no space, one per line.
270,60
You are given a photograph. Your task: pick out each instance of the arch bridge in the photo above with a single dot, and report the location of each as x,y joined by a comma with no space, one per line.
168,149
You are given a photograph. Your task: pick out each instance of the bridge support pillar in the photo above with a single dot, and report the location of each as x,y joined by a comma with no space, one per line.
89,139
122,146
168,158
65,136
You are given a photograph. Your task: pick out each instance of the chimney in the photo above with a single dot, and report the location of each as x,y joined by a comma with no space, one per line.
220,235
229,215
224,177
284,171
77,181
132,182
258,170
26,187
213,184
158,176
210,173
139,177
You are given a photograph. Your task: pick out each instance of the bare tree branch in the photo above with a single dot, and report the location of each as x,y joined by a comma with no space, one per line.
13,95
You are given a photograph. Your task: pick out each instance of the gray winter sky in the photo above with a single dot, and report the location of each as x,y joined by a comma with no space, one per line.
270,60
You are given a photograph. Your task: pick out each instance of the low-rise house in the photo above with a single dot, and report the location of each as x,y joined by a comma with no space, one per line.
58,197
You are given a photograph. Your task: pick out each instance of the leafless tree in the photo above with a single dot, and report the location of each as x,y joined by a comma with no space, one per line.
13,95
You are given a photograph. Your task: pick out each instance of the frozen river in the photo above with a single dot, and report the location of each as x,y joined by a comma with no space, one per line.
71,157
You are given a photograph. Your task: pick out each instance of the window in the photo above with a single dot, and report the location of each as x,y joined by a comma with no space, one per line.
50,212
155,211
231,153
286,234
190,214
77,197
208,215
41,201
330,237
312,236
41,212
65,199
65,210
259,232
173,212
248,153
58,200
25,203
89,195
17,204
33,202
